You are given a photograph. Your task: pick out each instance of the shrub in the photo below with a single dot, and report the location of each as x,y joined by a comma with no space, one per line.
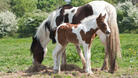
47,5
8,23
29,23
4,5
127,17
20,7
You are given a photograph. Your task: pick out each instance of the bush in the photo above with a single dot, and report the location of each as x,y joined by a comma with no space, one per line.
8,23
47,5
29,23
20,7
127,17
4,5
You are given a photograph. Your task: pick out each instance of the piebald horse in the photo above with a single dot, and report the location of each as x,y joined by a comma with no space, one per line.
78,34
74,15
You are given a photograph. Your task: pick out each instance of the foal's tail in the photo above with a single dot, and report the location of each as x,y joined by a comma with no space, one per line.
113,42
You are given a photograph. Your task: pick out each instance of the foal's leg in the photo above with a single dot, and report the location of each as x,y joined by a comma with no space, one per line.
81,56
87,58
103,40
56,56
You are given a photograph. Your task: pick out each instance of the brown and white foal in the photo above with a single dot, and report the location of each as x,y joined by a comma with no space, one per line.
78,34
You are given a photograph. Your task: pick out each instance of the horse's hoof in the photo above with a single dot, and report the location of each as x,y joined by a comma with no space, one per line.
105,68
84,67
90,73
56,71
111,71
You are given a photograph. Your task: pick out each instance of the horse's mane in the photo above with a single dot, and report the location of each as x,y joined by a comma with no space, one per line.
41,29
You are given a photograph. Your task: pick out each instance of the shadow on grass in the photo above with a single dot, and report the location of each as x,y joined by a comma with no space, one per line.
45,70
41,69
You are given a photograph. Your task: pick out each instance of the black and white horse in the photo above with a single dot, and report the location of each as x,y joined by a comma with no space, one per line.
75,15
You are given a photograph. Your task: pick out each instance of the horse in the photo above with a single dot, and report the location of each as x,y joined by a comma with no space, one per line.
78,34
74,15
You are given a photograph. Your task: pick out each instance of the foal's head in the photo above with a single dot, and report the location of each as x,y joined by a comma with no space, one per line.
102,25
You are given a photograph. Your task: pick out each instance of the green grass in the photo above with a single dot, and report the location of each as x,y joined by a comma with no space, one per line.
15,54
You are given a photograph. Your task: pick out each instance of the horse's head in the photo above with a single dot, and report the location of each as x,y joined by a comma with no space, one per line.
40,41
102,25
37,50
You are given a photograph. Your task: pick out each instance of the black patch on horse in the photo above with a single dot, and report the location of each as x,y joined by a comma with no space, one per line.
51,30
82,12
73,10
47,25
60,18
52,35
66,20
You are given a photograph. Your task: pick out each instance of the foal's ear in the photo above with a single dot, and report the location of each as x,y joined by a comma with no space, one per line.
100,16
104,16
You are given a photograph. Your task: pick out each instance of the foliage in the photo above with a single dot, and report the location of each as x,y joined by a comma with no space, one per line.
8,23
79,2
29,23
47,5
127,17
50,5
4,5
20,7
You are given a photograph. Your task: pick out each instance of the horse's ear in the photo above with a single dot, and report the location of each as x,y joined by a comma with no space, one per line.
104,16
100,16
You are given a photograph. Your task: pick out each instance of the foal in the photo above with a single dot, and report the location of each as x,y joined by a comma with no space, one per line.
78,34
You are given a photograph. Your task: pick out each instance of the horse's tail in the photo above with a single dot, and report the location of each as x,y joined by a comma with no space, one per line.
113,42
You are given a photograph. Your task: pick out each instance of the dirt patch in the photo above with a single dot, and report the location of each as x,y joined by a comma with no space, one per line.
67,71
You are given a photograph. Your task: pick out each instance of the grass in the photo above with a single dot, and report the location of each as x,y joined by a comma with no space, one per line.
15,55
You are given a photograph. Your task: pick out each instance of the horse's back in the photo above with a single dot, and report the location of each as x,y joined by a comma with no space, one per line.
101,7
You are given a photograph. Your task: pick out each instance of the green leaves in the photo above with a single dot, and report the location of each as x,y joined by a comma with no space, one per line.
20,7
127,17
29,22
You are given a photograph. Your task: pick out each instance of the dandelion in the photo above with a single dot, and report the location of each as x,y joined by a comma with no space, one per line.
129,48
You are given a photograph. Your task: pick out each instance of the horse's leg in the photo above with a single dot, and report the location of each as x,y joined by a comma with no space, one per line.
103,40
105,64
87,58
56,56
64,59
81,56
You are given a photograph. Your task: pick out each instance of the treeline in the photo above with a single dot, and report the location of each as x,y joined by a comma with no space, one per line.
28,14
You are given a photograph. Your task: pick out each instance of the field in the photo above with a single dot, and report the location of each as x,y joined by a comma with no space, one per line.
15,59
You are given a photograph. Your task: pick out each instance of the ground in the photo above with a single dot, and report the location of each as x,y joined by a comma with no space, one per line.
16,60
